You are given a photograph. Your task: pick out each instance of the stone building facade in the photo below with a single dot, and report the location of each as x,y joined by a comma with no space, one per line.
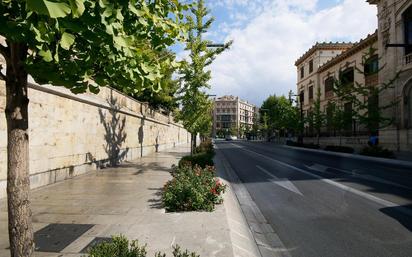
395,51
73,134
329,66
307,69
230,112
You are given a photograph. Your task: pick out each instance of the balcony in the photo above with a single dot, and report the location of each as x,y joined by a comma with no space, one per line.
408,59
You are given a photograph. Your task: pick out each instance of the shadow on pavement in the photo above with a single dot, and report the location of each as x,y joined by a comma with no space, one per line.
397,214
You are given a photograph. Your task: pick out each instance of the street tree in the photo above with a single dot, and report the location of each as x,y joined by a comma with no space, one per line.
279,113
318,116
81,45
364,97
196,108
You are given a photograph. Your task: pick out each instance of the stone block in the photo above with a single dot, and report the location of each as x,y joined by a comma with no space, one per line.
39,165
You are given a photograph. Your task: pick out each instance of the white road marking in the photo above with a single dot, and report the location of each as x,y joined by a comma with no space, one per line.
281,182
354,173
367,196
317,167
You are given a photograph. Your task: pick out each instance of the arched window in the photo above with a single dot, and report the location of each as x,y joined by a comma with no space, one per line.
407,21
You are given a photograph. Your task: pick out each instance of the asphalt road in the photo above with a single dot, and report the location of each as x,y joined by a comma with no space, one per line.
322,205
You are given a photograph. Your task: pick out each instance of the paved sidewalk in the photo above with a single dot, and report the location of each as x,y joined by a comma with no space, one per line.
125,200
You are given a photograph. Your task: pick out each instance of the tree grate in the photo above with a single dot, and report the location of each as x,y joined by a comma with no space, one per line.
56,237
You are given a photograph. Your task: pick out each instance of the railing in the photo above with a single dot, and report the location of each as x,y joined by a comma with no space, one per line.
408,59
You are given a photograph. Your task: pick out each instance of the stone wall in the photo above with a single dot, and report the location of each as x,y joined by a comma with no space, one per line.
72,134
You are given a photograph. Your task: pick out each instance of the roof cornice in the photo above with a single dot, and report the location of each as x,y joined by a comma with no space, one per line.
323,46
373,1
369,40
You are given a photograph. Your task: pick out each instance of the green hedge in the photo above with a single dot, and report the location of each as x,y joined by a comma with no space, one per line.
340,149
205,147
377,151
193,189
201,159
309,145
121,247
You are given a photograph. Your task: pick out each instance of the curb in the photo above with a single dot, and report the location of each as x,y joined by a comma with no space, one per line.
406,164
246,220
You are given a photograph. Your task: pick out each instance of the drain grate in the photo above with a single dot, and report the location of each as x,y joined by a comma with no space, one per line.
96,240
56,237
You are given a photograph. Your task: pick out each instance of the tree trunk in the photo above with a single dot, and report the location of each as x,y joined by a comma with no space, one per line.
192,143
18,182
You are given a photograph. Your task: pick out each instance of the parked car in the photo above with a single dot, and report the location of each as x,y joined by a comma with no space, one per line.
230,138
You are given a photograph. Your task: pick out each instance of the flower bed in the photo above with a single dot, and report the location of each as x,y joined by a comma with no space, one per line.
193,189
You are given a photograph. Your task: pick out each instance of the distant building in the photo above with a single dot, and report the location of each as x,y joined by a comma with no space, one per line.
233,115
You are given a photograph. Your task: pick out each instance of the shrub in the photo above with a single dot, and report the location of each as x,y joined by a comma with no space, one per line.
377,151
193,189
205,147
121,247
340,149
291,143
310,145
201,159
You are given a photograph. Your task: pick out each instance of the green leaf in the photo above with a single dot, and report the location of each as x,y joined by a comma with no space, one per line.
47,55
45,7
67,40
143,21
77,7
94,89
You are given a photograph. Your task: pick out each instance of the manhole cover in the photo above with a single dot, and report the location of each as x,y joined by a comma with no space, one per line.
96,240
56,237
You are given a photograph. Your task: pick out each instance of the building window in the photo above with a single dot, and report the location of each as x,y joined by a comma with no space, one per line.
225,117
407,18
347,77
371,65
329,82
310,66
302,72
310,93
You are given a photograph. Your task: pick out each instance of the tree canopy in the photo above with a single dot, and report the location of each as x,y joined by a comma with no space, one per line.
83,44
